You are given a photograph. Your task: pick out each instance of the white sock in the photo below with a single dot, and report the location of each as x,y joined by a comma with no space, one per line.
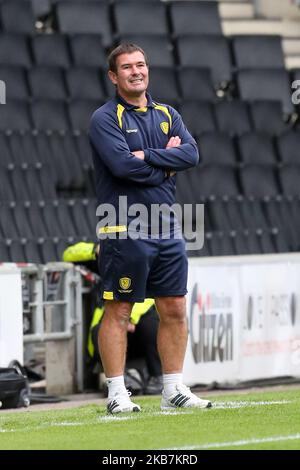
170,381
116,385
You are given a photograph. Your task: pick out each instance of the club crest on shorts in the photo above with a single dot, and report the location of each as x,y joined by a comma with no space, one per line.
125,283
164,127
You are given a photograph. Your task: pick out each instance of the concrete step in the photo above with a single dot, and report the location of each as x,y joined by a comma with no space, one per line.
241,26
292,62
291,46
277,9
236,10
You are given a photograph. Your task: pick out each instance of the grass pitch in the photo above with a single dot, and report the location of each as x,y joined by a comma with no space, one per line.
264,420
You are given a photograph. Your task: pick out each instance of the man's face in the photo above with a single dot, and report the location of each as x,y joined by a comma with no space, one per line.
132,76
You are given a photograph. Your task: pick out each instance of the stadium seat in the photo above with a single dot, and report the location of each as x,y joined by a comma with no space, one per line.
83,149
36,220
258,52
53,225
16,251
32,252
14,116
87,50
24,227
7,222
75,17
259,181
158,48
51,50
15,80
289,180
273,85
195,18
4,254
215,180
221,244
217,149
288,147
149,17
209,52
257,149
163,85
6,190
65,218
23,149
198,116
85,83
268,117
14,50
50,115
196,84
78,214
17,16
6,158
47,83
80,112
279,217
48,251
233,117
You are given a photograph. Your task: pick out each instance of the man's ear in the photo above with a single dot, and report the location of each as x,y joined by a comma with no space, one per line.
112,76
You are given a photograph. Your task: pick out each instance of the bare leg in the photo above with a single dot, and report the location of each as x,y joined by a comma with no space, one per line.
112,339
172,333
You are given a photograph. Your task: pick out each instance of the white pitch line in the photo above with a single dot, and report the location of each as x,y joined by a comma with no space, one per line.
244,404
217,445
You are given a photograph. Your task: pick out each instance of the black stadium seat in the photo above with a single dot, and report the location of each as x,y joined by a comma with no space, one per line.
268,117
51,50
76,17
163,85
196,84
233,117
199,116
16,83
257,149
87,50
50,115
17,16
15,116
85,83
209,52
47,83
14,50
259,52
195,18
148,17
158,48
80,112
273,85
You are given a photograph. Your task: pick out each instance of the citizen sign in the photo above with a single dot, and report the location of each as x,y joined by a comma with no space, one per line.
211,327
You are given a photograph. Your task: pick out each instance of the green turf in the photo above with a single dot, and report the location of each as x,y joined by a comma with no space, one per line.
234,418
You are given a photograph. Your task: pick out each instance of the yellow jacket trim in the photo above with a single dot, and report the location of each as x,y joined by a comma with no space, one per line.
141,110
120,111
139,309
108,295
113,229
165,110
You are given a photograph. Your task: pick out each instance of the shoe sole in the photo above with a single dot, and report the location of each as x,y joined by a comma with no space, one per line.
168,408
133,410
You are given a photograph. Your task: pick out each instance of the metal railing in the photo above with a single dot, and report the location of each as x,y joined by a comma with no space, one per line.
52,307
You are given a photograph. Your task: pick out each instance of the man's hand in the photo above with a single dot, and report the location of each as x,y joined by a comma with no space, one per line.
173,142
130,327
139,154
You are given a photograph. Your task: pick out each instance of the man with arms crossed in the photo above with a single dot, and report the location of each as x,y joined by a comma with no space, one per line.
138,145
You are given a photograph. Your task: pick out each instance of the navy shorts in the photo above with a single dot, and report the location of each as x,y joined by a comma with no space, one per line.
132,270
